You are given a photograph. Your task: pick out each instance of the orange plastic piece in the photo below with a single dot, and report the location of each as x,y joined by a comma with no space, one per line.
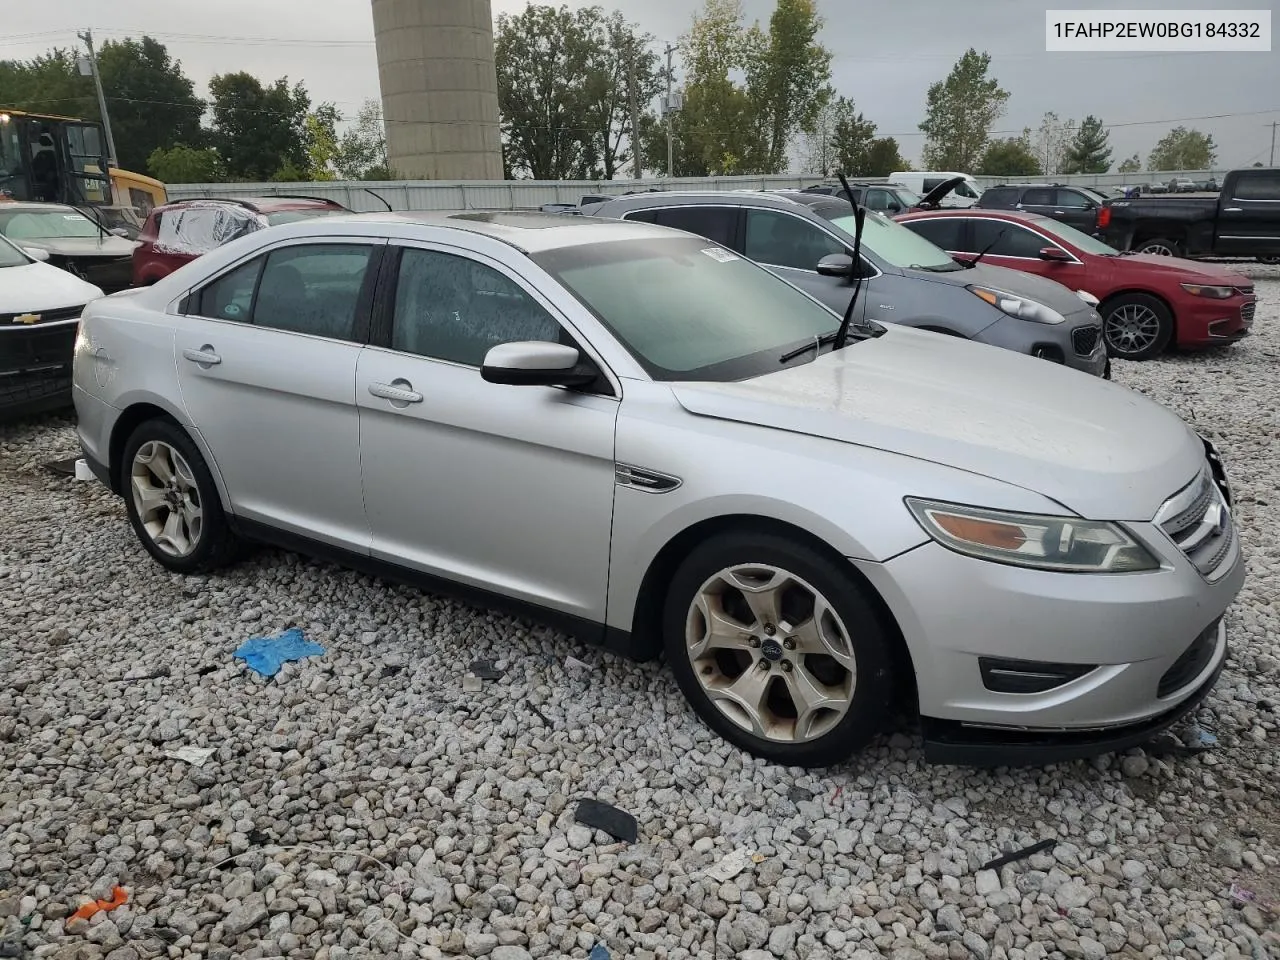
119,897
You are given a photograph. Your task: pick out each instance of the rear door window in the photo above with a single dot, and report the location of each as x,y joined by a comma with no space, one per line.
999,198
714,223
1016,241
312,288
1038,197
944,232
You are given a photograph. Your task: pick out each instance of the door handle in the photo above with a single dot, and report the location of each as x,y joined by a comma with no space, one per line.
398,391
1233,209
205,356
1058,213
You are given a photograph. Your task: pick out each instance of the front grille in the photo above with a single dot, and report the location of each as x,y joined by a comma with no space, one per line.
1192,662
1198,520
1247,310
46,316
1084,339
1247,290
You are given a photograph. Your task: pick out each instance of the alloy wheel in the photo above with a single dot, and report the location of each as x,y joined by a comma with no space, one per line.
166,498
771,653
1132,328
1158,249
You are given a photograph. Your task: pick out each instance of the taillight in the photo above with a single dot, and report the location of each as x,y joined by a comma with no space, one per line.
1104,217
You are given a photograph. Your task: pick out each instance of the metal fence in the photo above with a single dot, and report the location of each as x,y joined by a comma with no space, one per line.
531,194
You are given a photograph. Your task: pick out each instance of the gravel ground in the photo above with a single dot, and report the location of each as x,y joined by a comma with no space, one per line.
361,803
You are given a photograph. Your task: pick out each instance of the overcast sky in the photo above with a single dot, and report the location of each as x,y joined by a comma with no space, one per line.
885,60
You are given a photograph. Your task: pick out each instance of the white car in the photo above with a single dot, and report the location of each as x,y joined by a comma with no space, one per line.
662,446
40,310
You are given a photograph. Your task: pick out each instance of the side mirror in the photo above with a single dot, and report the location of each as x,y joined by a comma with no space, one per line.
36,253
836,265
894,208
1055,254
536,363
119,232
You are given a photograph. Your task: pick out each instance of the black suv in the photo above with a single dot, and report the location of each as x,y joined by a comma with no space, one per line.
888,198
1075,206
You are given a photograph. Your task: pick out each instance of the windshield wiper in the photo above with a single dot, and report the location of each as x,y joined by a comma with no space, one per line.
987,249
816,345
937,267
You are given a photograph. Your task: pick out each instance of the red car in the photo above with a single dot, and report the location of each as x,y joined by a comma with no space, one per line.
1147,302
178,232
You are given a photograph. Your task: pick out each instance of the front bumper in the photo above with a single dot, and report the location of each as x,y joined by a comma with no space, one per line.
1205,323
35,367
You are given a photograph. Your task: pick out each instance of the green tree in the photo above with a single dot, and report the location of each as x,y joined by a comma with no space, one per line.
1052,142
152,102
1183,149
322,141
259,130
185,164
884,157
1090,151
49,83
362,149
1132,165
787,75
613,44
1012,157
959,113
851,139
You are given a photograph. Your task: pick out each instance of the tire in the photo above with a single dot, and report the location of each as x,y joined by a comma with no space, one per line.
786,577
199,539
1160,246
1136,326
1269,260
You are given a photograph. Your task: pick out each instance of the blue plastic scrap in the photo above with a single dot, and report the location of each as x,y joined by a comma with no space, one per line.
265,654
599,952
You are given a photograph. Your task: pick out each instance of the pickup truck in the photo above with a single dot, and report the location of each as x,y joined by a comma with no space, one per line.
1242,221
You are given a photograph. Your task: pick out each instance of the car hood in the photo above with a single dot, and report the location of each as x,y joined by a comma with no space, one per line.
38,286
1049,292
1190,271
1099,449
107,246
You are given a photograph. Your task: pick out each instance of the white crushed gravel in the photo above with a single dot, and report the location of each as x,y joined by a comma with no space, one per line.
374,808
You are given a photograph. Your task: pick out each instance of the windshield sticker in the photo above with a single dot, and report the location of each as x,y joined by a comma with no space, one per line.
719,254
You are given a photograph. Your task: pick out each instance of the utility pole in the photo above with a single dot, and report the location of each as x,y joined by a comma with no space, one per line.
637,168
667,117
1273,144
87,37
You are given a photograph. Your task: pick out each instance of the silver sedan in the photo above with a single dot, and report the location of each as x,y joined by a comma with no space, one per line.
654,443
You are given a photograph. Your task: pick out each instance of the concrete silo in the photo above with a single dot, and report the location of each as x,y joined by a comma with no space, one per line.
439,88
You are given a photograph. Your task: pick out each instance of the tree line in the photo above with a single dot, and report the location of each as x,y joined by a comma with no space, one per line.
757,99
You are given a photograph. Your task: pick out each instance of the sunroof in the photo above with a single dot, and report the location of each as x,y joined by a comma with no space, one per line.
525,220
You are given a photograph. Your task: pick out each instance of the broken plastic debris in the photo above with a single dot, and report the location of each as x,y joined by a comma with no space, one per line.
485,670
119,897
196,756
471,683
1016,855
1197,737
730,865
1241,894
265,655
83,470
573,663
799,794
758,858
599,952
65,467
603,816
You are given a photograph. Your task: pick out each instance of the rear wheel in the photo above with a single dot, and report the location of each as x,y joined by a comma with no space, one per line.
1160,247
777,649
1136,326
172,501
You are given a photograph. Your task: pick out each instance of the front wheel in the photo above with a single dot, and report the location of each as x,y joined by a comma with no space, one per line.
1271,260
1136,326
778,649
172,501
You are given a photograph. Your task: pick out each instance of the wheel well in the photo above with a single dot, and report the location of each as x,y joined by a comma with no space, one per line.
1158,231
129,421
646,626
1141,293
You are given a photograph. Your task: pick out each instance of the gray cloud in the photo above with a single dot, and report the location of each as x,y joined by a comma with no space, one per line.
885,60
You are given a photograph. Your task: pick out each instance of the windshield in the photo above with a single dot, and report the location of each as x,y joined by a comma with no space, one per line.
909,198
11,256
1078,237
56,224
893,242
290,216
687,309
965,189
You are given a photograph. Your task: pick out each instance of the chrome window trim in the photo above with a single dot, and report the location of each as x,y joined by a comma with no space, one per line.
1017,223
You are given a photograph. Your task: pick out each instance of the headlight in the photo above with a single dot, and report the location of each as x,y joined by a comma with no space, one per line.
1016,306
1088,297
1066,544
1213,293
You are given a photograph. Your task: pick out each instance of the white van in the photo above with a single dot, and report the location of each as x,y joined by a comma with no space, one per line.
922,181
